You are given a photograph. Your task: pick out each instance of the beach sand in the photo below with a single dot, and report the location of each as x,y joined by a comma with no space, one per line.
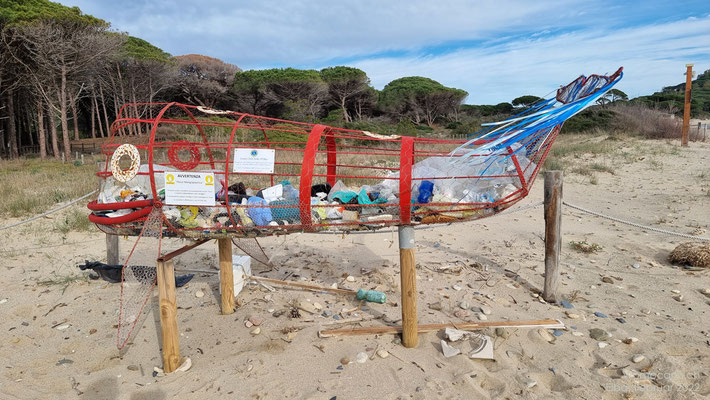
496,262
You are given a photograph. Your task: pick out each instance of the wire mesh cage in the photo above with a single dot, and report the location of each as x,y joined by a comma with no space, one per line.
221,173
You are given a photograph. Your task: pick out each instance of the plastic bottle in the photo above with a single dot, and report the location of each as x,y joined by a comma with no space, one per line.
372,296
426,191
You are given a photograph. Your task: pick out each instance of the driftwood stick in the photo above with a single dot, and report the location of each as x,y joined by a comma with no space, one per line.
464,326
303,285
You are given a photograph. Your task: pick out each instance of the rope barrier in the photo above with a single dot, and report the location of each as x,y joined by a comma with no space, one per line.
634,224
48,212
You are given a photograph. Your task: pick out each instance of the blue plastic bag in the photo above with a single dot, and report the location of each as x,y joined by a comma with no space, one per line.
260,215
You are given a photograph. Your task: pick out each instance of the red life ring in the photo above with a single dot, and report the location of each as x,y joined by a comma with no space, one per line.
175,159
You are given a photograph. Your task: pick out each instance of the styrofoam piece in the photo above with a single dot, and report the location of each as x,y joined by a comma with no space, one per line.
241,268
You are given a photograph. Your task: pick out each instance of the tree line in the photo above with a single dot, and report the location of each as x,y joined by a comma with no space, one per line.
65,75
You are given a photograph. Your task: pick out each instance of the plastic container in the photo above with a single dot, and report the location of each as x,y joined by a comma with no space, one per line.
241,268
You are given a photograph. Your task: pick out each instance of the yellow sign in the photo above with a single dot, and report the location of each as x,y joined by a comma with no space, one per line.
209,180
169,179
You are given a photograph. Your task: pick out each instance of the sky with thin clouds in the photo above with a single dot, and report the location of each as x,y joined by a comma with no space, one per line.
495,50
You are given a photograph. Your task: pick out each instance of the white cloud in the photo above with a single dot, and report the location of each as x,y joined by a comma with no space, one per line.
495,50
652,57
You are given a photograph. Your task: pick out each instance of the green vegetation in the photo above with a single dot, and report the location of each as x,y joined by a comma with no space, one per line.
27,11
671,98
142,50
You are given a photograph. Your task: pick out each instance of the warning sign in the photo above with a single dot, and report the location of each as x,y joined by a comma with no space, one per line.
189,188
259,161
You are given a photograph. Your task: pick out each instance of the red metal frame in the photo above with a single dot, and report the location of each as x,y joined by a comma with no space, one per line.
307,154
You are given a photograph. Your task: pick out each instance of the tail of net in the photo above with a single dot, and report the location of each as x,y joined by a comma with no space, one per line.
252,248
139,276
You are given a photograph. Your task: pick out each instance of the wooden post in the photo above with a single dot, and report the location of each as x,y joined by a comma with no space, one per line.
553,238
409,286
112,250
226,275
168,315
686,107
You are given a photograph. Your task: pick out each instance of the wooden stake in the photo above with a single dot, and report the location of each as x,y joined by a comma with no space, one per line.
553,238
686,107
168,315
408,275
226,275
464,326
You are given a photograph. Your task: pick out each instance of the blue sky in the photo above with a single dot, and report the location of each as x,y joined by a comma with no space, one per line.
495,50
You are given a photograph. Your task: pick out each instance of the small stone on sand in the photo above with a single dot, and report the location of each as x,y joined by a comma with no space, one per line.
571,315
199,294
383,353
638,358
350,278
361,357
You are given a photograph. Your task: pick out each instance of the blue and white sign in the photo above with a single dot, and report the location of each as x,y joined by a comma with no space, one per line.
255,161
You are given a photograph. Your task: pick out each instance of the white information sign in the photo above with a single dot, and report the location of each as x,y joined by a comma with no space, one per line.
189,188
260,161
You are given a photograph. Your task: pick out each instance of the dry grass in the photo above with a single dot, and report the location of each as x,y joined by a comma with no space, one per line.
33,186
637,119
693,254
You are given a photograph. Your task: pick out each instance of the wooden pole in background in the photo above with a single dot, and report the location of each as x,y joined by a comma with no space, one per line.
553,238
226,275
408,275
168,315
111,240
686,107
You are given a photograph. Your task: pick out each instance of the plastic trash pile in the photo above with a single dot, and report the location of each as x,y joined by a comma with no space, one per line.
440,186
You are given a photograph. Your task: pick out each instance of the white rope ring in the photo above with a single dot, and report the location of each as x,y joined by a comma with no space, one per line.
125,175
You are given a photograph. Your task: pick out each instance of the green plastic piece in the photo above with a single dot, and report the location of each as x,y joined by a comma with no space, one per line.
372,296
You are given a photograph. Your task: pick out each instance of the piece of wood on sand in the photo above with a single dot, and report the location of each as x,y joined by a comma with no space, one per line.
464,326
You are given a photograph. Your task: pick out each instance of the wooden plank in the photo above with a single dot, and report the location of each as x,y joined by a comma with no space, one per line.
226,275
464,326
553,237
408,276
183,249
168,315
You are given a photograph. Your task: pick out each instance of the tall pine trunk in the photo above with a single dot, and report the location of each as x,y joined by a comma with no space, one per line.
74,117
53,133
93,116
103,104
11,126
63,115
98,117
41,135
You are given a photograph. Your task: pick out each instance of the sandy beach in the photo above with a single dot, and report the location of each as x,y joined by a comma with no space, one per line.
59,338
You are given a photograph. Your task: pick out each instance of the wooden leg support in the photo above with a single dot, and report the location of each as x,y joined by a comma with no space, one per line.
226,275
553,238
409,287
168,315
